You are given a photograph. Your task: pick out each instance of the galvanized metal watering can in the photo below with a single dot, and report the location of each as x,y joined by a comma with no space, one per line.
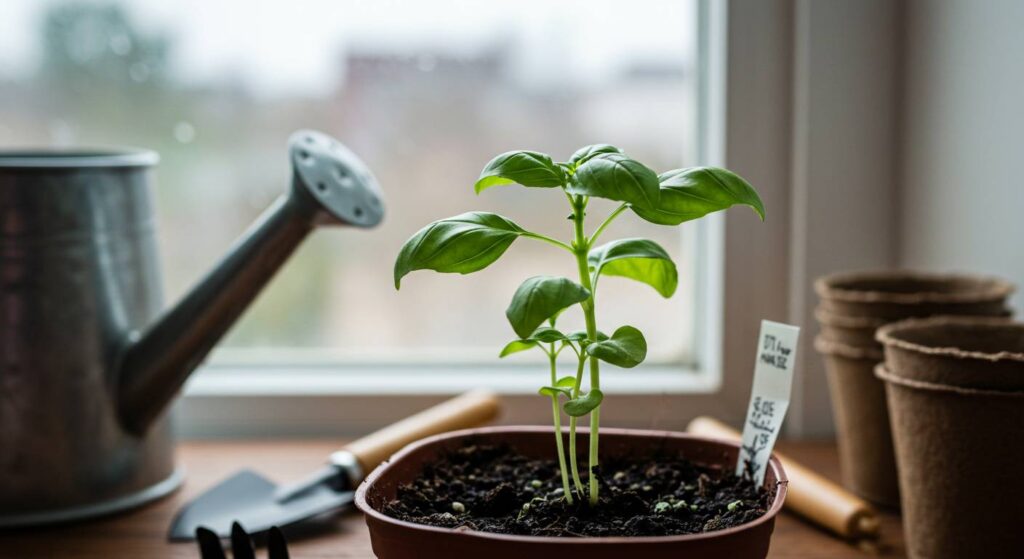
89,358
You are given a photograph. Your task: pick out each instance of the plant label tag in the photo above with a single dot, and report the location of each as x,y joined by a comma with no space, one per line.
769,398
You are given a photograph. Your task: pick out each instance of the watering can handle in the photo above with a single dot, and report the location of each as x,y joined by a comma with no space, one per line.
468,410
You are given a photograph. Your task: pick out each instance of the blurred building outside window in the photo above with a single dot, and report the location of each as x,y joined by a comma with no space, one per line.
425,92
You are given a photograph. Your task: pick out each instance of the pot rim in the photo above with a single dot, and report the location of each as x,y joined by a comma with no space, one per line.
832,318
832,347
885,375
364,506
75,158
888,336
984,288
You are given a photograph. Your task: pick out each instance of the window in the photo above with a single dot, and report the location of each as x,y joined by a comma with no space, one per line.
425,92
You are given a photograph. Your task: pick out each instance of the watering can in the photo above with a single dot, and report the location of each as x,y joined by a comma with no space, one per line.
89,358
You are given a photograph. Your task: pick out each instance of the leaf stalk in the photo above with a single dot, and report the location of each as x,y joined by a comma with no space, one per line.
546,239
608,221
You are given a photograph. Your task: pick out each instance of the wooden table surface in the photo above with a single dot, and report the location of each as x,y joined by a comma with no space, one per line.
142,533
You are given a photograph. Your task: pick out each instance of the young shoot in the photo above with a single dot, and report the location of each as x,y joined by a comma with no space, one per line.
473,241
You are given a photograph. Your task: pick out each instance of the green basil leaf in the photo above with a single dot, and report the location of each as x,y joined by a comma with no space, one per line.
577,336
515,346
616,177
547,335
626,348
465,243
539,298
528,168
555,391
584,404
580,335
566,382
542,335
642,260
688,194
583,154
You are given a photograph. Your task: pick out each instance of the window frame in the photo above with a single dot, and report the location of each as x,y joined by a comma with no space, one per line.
232,396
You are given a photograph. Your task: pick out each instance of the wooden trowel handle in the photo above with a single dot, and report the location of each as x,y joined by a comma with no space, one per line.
468,410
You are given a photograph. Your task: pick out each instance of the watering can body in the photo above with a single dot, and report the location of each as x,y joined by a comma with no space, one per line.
80,271
89,357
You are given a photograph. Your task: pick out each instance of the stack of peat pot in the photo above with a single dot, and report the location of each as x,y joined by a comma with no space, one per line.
956,396
852,307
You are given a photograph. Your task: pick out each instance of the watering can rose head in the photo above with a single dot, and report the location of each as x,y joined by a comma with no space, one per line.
472,241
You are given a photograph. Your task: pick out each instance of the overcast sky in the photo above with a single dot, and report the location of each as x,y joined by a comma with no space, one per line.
293,46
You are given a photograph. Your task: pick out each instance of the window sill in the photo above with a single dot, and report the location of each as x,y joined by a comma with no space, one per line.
326,380
247,401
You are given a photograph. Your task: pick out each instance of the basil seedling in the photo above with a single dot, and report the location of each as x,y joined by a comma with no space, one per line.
472,241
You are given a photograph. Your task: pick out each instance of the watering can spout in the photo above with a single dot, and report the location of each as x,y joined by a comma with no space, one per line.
330,186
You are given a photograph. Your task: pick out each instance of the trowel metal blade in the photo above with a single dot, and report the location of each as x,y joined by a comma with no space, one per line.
257,504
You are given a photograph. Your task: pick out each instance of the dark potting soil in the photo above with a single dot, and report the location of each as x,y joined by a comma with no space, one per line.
494,489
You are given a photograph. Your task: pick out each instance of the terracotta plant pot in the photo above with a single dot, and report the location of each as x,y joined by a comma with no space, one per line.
395,539
899,295
866,459
956,400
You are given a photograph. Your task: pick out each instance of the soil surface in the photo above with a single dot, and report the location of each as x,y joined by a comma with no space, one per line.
494,489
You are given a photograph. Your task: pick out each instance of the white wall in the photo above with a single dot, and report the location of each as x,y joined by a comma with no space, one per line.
962,199
813,96
906,129
846,86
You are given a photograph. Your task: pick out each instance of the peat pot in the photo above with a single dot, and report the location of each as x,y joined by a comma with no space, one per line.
852,307
866,459
395,539
955,388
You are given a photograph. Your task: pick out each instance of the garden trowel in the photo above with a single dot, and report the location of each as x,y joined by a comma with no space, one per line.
257,503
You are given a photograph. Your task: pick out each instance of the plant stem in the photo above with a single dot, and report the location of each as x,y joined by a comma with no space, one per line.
581,247
572,428
595,421
556,414
608,221
557,417
546,239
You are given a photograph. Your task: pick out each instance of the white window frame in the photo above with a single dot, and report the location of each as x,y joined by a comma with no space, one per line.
760,126
302,392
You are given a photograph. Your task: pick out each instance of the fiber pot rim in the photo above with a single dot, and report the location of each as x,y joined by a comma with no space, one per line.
888,335
361,503
883,374
983,288
832,318
832,347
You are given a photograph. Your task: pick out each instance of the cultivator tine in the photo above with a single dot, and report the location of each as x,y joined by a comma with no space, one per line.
241,544
277,546
209,544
